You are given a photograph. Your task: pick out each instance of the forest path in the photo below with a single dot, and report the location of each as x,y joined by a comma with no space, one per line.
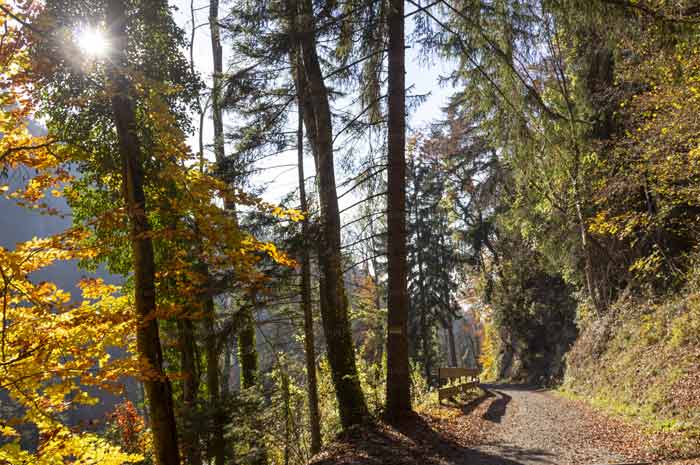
503,425
530,426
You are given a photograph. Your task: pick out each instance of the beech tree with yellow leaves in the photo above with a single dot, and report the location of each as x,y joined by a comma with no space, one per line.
49,344
121,124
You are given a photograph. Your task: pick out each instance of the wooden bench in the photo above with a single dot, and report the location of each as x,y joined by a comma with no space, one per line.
453,377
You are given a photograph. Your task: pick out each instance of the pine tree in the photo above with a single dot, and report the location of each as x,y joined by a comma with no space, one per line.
334,312
398,396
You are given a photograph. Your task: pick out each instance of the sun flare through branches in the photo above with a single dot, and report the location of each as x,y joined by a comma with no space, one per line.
93,42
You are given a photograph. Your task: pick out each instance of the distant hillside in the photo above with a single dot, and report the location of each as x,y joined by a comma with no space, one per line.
18,224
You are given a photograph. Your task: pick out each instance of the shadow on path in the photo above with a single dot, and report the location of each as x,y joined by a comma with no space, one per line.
417,440
448,449
497,408
414,441
471,405
519,454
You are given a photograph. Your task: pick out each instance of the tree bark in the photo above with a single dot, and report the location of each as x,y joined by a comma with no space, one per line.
216,99
226,371
190,386
218,445
334,306
248,356
156,383
451,342
217,53
398,394
588,261
246,339
309,345
287,416
247,352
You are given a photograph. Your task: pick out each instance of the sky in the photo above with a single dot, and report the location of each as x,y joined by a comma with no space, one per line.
420,78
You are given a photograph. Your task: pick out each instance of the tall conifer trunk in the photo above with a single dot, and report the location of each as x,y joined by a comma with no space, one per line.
334,306
452,350
247,353
309,346
248,356
218,449
398,395
217,445
249,360
156,383
218,58
190,386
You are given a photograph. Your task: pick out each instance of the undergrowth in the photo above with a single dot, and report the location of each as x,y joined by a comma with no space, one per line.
642,361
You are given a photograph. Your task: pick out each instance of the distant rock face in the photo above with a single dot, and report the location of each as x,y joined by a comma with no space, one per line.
533,348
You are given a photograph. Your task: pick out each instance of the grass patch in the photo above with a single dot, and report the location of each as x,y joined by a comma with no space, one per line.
630,412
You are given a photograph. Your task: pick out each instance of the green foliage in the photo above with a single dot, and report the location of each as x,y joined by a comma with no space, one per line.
595,189
330,420
639,362
434,252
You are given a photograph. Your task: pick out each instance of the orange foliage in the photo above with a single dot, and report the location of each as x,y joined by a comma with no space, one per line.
53,344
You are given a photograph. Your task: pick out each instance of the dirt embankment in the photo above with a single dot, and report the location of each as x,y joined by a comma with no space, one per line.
642,361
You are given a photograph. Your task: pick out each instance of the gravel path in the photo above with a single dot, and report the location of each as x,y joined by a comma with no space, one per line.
508,425
534,427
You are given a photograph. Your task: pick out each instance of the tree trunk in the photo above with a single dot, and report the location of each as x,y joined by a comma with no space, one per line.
156,383
190,386
248,356
218,445
588,261
226,371
247,352
217,53
334,305
451,342
398,393
287,416
309,345
426,340
216,100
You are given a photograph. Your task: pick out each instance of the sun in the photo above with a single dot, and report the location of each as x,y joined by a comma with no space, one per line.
93,42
